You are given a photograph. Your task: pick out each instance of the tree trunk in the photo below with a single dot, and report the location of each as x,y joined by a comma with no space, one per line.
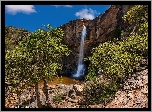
45,90
37,96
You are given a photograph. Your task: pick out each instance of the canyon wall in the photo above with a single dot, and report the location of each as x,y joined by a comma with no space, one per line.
99,30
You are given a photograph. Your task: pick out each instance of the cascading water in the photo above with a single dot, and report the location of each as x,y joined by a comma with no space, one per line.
80,68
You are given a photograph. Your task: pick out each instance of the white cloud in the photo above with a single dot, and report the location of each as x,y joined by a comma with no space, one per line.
13,9
69,6
86,14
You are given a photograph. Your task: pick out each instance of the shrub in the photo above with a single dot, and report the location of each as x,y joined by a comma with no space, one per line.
116,60
99,92
58,98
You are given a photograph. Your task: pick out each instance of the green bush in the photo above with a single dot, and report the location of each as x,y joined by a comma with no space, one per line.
116,60
91,75
58,98
99,92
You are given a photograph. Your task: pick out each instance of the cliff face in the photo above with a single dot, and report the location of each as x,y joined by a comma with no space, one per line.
99,30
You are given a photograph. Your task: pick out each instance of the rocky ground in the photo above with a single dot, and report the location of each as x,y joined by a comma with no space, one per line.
134,94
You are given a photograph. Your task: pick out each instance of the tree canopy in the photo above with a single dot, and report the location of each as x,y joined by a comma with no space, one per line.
35,57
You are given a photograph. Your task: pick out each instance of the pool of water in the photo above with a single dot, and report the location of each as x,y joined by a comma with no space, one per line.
61,80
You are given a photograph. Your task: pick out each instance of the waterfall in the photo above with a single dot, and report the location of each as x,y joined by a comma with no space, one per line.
80,68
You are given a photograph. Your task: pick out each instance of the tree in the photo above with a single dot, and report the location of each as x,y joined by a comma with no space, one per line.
138,16
117,61
37,57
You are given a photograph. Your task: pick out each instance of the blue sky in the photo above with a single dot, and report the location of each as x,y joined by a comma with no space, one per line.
31,17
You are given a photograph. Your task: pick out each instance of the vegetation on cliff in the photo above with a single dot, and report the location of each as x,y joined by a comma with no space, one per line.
116,61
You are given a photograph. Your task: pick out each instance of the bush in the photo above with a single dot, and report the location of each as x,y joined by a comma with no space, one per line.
99,92
58,98
113,61
116,60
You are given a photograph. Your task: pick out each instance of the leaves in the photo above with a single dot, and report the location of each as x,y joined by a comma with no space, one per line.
36,56
116,61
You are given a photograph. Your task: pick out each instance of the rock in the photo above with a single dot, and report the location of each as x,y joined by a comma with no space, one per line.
78,89
99,30
134,93
144,62
96,106
67,104
51,86
72,100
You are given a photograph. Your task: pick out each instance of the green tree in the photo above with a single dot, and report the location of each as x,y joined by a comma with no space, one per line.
37,57
116,61
138,16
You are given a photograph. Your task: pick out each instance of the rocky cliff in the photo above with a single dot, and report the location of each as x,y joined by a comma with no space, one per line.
99,30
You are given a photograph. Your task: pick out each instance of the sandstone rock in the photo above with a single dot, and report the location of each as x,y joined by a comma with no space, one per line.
134,93
78,89
72,100
96,106
99,30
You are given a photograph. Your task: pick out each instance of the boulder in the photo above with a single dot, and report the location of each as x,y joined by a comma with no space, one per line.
78,89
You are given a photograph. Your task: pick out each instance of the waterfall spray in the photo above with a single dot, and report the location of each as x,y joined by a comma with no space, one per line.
80,68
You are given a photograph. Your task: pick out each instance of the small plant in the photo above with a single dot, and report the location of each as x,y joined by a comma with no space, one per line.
91,75
58,98
61,80
97,92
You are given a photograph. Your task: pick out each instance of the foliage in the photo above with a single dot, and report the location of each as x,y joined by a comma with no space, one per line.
91,75
116,60
13,36
36,57
97,92
112,60
58,98
138,16
117,33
